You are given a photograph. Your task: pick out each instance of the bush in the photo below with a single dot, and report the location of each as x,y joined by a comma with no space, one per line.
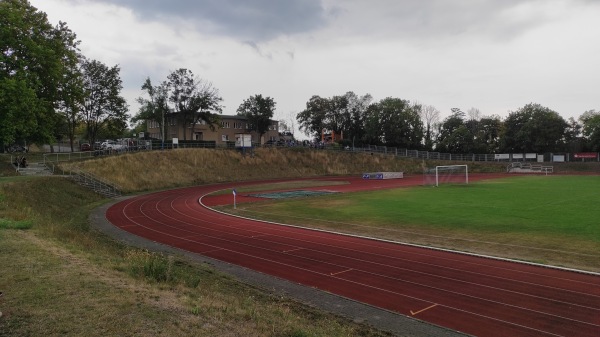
151,266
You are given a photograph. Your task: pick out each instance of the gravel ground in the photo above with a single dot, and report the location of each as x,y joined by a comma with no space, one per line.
383,320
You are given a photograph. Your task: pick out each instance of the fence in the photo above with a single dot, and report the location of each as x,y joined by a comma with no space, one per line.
508,157
94,183
399,152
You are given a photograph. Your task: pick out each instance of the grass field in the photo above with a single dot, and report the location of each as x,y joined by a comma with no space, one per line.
545,219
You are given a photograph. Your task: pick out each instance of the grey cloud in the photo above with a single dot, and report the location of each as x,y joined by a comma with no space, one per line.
258,49
254,20
432,19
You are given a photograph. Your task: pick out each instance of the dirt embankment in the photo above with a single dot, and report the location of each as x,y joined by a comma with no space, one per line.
145,171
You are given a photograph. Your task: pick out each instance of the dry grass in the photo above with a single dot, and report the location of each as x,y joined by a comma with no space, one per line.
61,278
156,170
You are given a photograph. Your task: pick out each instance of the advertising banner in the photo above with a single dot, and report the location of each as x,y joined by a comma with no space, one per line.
586,155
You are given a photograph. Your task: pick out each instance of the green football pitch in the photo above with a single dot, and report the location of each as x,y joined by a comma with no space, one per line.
549,215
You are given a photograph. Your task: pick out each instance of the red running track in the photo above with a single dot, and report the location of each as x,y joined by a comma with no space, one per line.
474,295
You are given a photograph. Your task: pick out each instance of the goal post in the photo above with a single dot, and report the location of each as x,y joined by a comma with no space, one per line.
447,174
451,173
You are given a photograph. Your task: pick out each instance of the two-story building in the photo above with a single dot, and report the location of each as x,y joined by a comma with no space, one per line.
224,131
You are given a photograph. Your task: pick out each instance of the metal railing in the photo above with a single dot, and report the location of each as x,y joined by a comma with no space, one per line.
94,183
399,152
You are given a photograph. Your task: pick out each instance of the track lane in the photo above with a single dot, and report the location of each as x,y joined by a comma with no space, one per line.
460,286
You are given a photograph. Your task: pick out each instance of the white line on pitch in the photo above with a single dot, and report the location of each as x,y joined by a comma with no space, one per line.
340,272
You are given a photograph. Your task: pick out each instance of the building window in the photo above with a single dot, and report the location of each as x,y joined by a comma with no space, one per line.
225,125
224,138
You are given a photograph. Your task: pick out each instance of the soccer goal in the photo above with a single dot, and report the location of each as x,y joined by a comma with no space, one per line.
448,174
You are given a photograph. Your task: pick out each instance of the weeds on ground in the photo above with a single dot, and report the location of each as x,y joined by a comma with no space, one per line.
71,280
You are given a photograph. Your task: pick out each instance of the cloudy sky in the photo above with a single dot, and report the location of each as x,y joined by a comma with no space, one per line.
493,55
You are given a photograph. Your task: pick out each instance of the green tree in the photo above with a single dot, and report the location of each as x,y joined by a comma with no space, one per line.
193,100
18,107
340,114
258,110
453,134
394,122
487,139
354,115
70,88
312,119
104,111
34,58
574,140
154,108
533,128
591,129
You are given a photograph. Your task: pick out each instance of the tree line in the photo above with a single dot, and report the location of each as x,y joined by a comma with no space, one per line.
397,122
194,101
49,91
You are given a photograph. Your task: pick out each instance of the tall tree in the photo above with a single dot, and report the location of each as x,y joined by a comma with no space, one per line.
533,128
155,107
104,109
591,129
354,115
487,139
394,122
70,88
258,110
193,100
340,114
312,119
32,68
430,116
574,140
453,135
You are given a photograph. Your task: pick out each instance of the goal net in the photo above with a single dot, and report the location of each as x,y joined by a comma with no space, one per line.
449,174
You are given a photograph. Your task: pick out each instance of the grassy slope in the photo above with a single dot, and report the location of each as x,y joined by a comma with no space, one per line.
59,277
184,167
